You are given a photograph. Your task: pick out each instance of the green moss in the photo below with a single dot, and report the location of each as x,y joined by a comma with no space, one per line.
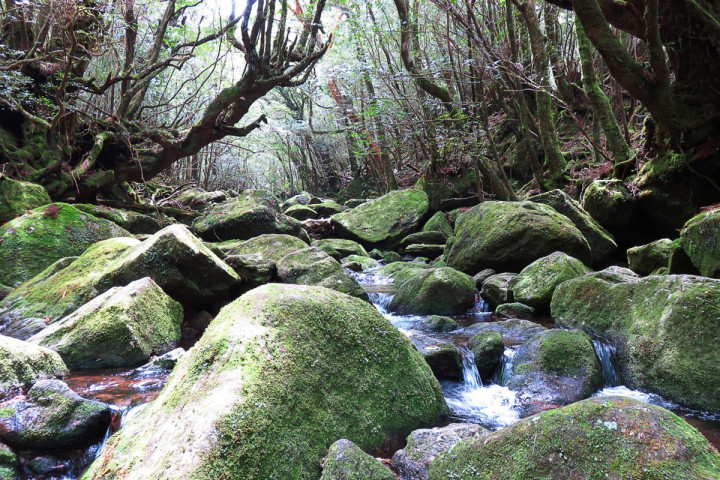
487,347
439,223
341,247
31,243
279,375
515,310
700,239
133,222
21,364
664,327
123,327
433,291
646,259
566,352
591,440
271,247
536,283
385,220
345,461
19,197
301,212
365,262
507,236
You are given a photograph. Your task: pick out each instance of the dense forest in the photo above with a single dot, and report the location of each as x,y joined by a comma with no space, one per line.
359,239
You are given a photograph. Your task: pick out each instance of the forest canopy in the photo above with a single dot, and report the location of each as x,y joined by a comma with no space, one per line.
476,98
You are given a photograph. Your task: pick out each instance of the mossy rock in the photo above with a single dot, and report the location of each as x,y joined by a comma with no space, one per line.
31,243
198,199
252,214
391,257
425,251
355,202
507,236
269,247
480,277
442,356
399,272
439,223
434,291
497,289
556,367
515,310
53,417
663,327
426,444
647,259
700,239
346,461
340,247
303,198
536,283
328,208
179,263
19,197
611,204
133,222
487,348
513,331
311,266
123,327
601,242
366,263
595,439
385,220
437,323
301,212
428,238
21,364
280,374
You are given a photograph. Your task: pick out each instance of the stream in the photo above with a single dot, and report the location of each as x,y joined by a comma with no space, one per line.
492,404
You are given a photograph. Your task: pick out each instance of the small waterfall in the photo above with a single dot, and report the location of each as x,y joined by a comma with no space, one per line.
481,306
502,376
381,300
606,355
471,376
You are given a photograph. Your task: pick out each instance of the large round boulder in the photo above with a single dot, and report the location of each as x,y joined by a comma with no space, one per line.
663,327
536,283
385,220
34,241
123,327
596,439
269,247
507,236
650,258
612,205
346,461
280,374
339,248
19,197
700,239
497,289
434,291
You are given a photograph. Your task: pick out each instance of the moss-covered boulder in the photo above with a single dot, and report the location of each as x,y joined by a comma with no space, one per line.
650,258
513,331
497,289
596,439
385,220
612,205
133,222
700,239
253,213
434,291
280,374
601,242
301,212
328,208
52,416
123,327
427,238
339,248
311,266
480,277
365,263
536,283
439,223
424,446
442,356
198,199
346,461
302,198
19,197
22,364
508,236
270,247
31,243
437,324
422,250
399,272
556,367
391,257
515,310
663,327
487,348
178,262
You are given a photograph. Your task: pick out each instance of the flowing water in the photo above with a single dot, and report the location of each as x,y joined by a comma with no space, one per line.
493,405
